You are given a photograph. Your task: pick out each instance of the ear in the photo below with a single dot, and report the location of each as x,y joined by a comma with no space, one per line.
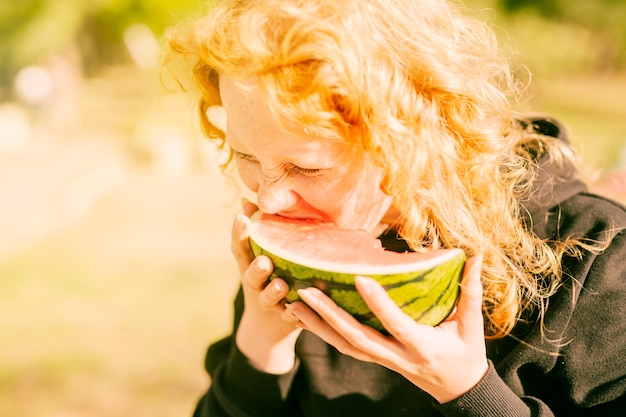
217,116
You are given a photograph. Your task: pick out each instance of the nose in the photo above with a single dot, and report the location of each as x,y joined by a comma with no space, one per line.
276,196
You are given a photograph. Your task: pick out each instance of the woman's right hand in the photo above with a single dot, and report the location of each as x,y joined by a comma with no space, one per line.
267,332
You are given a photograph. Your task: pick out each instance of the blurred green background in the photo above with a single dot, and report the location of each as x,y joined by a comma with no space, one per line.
115,271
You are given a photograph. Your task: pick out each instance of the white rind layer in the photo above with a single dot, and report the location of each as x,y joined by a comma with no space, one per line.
368,258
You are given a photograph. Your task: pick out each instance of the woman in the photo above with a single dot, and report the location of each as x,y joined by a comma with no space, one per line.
397,114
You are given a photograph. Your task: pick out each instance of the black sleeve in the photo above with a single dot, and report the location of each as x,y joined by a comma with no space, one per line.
491,397
586,376
237,388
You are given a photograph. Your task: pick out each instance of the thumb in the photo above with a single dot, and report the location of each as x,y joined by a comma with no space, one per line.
248,207
469,308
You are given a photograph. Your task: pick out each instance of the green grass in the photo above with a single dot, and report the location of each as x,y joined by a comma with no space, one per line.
115,268
112,316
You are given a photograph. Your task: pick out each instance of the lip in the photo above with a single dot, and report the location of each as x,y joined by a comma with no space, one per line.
304,218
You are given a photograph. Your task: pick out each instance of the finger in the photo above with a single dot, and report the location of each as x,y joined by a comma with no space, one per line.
323,305
303,313
274,293
469,308
361,338
257,275
396,322
314,322
248,207
288,316
240,246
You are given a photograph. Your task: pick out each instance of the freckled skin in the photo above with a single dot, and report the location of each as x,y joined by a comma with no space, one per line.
298,175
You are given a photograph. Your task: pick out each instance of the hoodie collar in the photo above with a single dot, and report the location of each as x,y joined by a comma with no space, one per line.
555,181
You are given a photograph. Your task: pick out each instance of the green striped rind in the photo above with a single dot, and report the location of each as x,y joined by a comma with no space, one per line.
428,295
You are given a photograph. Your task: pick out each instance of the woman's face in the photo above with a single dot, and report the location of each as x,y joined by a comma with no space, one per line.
299,175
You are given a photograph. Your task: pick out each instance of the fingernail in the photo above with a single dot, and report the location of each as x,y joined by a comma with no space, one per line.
241,221
364,284
262,264
277,288
294,311
308,296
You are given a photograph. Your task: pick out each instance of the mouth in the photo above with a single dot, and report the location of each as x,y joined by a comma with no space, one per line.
307,218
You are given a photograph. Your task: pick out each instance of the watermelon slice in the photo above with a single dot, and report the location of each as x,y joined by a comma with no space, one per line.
309,253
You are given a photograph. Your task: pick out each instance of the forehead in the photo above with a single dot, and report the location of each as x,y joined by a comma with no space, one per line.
235,95
247,113
243,97
252,128
248,102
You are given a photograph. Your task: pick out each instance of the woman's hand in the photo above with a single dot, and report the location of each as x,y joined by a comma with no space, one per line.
446,361
267,332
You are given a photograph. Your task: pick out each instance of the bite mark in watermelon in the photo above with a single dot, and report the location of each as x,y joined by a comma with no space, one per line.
309,253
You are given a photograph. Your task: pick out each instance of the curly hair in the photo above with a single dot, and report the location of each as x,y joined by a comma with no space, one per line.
431,95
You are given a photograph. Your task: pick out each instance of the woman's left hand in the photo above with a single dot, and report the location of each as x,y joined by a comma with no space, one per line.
446,360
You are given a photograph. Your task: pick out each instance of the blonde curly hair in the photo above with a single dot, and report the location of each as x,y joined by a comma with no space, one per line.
430,94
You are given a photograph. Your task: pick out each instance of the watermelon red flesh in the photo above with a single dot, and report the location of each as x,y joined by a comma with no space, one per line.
324,246
307,253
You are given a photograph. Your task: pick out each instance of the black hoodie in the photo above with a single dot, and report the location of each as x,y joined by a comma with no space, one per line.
575,366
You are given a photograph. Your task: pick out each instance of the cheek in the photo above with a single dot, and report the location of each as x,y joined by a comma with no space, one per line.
249,174
365,193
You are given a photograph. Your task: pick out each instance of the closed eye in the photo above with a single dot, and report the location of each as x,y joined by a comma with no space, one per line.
243,156
292,169
304,171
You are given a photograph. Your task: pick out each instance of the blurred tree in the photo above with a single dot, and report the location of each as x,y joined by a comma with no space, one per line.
31,30
547,7
102,34
606,18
